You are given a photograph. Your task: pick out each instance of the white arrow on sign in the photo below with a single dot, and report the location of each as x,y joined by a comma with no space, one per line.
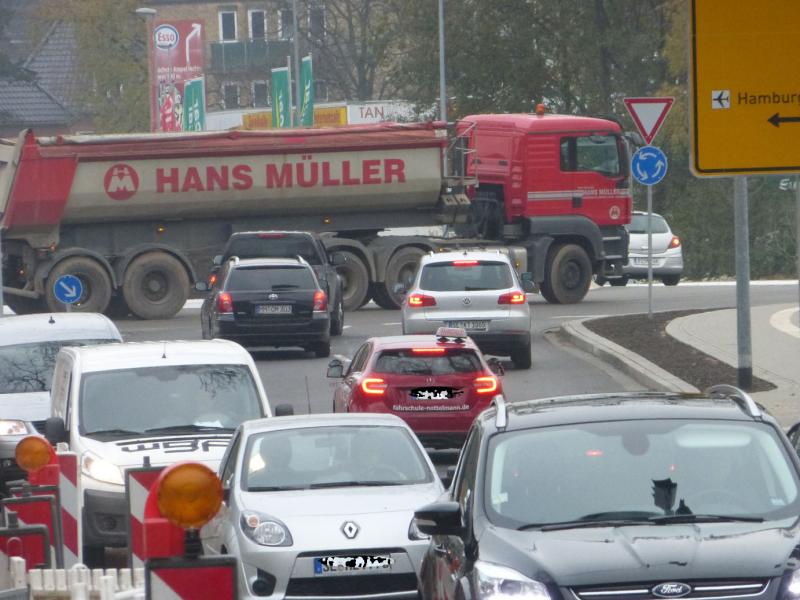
71,290
648,114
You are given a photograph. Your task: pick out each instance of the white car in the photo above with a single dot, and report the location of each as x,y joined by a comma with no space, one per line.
322,506
667,251
28,348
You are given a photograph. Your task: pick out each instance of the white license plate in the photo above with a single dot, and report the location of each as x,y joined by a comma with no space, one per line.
274,309
331,565
469,325
641,261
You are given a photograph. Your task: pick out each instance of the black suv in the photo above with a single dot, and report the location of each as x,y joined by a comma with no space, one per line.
268,302
640,496
291,244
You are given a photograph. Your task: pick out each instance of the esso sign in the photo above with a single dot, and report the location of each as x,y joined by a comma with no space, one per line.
165,37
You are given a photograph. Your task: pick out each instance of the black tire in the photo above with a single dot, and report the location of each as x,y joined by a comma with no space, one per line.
24,306
521,357
355,281
156,285
337,319
382,298
568,275
366,299
600,280
621,282
94,278
322,349
94,557
671,279
402,268
117,308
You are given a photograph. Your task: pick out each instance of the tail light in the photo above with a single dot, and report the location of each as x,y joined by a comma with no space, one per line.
320,301
465,263
420,300
486,385
373,386
212,279
427,350
512,298
224,303
675,242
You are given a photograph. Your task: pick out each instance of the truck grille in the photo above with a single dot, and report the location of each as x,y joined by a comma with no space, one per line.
700,589
374,586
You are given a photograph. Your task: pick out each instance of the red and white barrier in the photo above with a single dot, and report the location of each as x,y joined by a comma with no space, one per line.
191,579
71,499
137,487
38,510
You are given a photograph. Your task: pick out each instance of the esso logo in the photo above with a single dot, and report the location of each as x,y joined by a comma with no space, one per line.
166,37
614,212
121,182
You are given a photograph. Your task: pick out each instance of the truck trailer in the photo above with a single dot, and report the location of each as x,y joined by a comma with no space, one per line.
137,218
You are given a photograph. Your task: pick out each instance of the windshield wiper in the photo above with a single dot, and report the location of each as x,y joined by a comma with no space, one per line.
334,484
182,428
277,488
581,524
113,432
284,286
691,518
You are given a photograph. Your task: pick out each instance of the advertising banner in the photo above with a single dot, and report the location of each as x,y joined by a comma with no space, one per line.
306,117
325,116
194,102
281,98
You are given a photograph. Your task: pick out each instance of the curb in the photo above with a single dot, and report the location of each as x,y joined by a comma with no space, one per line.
633,365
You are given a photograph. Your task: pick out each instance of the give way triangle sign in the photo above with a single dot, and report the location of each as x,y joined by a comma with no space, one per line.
648,114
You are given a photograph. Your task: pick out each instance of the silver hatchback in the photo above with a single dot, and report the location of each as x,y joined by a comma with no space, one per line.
478,291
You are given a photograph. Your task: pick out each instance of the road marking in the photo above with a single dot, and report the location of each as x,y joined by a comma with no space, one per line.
782,321
576,317
717,283
391,323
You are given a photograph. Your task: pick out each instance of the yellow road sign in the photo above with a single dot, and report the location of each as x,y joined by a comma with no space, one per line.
745,77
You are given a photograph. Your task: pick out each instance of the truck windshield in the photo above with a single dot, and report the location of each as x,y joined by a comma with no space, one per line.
171,397
26,368
246,279
274,246
602,154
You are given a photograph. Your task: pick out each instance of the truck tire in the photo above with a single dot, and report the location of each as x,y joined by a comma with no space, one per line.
94,278
568,275
355,280
402,268
24,306
118,308
621,282
156,285
337,319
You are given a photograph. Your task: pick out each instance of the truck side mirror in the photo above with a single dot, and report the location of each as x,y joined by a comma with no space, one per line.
55,431
218,259
284,410
337,259
335,369
201,286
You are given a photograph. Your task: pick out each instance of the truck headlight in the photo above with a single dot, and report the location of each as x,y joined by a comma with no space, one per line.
100,469
12,427
265,530
494,582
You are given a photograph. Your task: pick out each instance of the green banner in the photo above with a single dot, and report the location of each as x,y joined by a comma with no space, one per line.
307,90
194,105
281,101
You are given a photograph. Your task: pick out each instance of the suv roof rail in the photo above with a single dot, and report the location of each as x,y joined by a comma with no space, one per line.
234,260
740,397
501,418
302,260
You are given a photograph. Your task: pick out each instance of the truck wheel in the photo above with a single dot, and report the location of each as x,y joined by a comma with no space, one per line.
402,269
118,308
156,286
24,306
621,282
94,278
569,274
671,279
337,319
355,280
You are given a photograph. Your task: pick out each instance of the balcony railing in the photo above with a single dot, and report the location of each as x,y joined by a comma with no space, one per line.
248,55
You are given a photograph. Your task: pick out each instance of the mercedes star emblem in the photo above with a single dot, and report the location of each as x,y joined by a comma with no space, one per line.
349,529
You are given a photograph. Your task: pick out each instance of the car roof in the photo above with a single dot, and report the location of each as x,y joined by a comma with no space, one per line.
642,213
131,355
269,262
399,342
322,420
43,327
437,257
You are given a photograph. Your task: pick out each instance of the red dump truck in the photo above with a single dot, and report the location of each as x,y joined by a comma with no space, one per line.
138,218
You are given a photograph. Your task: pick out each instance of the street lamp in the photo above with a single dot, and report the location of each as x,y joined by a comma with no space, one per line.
149,14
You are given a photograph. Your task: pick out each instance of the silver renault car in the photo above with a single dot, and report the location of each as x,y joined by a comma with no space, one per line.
322,506
478,291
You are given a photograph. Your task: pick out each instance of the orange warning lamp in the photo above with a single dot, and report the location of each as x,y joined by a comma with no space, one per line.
189,495
34,453
540,109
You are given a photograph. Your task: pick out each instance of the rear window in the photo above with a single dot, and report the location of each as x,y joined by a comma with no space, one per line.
274,246
638,224
464,276
408,362
270,278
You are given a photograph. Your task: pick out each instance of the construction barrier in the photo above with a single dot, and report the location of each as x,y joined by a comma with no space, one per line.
70,497
137,487
191,579
38,510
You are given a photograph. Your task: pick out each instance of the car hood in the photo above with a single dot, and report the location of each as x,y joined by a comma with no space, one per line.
645,553
161,450
30,406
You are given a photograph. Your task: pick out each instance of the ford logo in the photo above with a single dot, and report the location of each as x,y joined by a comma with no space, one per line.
671,590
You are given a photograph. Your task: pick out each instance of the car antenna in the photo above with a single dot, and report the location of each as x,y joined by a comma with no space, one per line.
308,396
164,354
52,320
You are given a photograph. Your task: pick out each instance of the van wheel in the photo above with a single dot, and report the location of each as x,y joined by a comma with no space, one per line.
671,279
94,279
156,285
322,349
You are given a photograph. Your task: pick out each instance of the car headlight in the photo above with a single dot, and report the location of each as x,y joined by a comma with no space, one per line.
494,582
414,533
100,469
793,586
265,530
12,427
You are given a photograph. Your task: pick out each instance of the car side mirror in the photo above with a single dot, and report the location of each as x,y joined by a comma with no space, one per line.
440,518
284,410
448,477
201,286
337,260
335,369
55,430
218,260
496,367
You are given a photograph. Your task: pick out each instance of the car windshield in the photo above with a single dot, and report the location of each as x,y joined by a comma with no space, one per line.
638,469
638,224
146,399
334,456
466,276
273,246
266,278
427,361
26,368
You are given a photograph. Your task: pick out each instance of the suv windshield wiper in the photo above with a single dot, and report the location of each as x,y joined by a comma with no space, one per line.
180,428
581,524
691,518
334,484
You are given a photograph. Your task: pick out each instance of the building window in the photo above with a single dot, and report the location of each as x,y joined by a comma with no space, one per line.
286,30
258,24
316,22
260,94
227,26
230,95
320,90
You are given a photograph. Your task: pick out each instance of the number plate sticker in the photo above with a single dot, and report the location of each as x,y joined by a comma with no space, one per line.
274,309
331,565
469,325
641,261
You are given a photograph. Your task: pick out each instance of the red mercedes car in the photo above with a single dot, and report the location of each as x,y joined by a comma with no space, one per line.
436,383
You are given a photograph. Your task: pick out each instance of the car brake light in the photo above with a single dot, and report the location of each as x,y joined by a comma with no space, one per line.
320,301
269,236
512,298
420,300
374,386
428,350
224,303
486,385
465,263
675,242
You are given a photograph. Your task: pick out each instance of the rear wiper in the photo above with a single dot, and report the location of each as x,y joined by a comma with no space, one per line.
334,484
691,518
582,524
284,286
180,428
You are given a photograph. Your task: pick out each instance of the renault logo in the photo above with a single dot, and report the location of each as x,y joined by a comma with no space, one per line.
671,590
272,297
467,301
350,530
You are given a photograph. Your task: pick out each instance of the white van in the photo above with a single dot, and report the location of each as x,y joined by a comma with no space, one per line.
164,401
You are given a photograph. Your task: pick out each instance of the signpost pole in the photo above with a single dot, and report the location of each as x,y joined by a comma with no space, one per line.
745,362
649,251
796,237
2,300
